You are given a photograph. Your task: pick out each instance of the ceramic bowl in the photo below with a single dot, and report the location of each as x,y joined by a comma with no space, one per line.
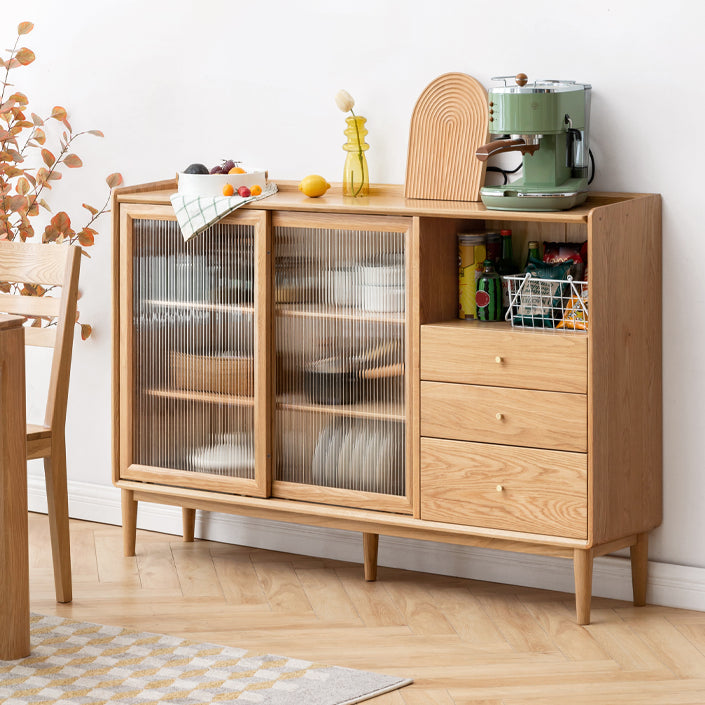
383,299
384,270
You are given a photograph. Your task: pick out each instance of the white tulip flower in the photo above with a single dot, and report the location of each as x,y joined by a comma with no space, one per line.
344,101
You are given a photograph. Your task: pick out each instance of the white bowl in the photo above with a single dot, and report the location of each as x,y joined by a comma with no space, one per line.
344,290
383,299
212,184
383,276
384,270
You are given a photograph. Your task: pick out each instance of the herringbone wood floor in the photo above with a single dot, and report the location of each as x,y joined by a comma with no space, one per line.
463,642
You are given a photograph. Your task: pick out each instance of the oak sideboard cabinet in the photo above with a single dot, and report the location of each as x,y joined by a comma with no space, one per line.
302,360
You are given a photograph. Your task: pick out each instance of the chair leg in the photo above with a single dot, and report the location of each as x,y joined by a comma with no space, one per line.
188,519
129,522
639,556
58,506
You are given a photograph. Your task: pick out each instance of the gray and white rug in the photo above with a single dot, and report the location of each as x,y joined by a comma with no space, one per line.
85,664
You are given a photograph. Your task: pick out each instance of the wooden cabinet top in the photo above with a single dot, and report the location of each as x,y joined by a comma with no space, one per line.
383,200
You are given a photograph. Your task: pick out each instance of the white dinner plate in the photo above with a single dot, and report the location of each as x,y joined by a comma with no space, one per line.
372,459
332,456
387,478
346,472
233,455
318,466
357,461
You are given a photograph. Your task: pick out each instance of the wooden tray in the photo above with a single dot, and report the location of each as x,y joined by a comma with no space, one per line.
448,124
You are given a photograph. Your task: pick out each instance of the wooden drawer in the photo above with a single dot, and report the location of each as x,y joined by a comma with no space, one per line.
492,354
518,417
499,487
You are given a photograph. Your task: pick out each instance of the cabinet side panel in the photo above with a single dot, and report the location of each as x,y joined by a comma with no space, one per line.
625,409
126,386
115,322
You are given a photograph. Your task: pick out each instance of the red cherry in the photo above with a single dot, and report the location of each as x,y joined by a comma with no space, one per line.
244,192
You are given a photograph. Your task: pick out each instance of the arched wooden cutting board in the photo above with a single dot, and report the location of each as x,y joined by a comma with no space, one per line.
448,124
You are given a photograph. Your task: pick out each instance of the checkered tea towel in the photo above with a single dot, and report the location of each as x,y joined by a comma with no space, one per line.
196,213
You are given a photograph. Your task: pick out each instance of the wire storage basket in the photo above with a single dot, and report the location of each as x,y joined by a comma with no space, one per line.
547,303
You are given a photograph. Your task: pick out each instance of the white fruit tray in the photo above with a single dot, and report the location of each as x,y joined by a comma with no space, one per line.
212,184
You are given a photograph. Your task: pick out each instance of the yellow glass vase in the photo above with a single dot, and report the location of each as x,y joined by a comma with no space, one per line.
356,180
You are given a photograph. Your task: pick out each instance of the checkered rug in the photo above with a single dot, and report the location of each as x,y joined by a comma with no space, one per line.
84,664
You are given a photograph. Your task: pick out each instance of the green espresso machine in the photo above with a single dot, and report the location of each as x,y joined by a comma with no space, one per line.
547,121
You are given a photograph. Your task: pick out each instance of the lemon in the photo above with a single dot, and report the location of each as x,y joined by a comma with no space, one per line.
313,186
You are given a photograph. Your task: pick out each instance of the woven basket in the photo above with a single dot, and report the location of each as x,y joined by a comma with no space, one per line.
217,374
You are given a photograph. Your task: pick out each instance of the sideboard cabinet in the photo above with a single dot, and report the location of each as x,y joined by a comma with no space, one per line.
302,360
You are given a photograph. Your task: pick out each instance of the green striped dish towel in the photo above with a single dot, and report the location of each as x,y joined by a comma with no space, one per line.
196,213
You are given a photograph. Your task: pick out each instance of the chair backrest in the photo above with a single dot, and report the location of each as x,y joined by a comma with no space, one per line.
48,265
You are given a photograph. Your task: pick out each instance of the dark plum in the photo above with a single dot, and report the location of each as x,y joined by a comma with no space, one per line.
228,164
196,169
217,170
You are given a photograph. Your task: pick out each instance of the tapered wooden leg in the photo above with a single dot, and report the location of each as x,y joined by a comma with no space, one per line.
188,519
129,522
58,506
370,543
582,567
639,556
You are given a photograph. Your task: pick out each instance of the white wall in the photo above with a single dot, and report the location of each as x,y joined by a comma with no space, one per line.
173,83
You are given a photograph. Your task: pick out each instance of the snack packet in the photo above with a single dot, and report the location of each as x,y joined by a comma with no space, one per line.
576,311
540,303
555,252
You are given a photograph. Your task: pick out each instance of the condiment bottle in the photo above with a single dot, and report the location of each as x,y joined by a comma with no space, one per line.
534,252
488,296
494,248
507,266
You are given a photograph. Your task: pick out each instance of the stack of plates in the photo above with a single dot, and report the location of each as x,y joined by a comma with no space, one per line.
359,456
382,280
375,285
231,454
342,288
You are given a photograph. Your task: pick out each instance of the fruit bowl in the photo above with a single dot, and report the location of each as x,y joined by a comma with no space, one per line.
212,184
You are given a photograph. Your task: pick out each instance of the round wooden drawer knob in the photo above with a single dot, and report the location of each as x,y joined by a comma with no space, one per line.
499,360
499,416
500,488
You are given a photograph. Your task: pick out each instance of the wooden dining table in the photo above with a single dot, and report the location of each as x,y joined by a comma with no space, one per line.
14,552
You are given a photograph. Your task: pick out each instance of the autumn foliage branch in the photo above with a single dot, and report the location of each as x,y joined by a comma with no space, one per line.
23,186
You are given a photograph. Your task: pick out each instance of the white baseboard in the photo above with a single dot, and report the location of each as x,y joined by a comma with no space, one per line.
670,585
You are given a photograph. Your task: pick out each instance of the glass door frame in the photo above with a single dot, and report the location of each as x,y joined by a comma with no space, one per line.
403,504
123,359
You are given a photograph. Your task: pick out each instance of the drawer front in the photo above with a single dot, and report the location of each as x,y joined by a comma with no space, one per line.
518,417
471,354
499,487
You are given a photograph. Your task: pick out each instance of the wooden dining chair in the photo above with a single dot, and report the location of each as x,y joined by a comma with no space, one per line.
50,265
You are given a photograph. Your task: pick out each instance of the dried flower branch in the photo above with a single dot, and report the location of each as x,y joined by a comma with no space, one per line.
22,187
